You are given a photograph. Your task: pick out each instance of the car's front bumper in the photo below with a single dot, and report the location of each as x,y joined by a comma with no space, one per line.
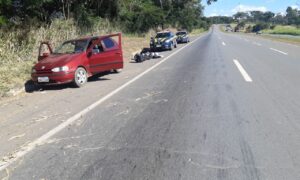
164,46
53,78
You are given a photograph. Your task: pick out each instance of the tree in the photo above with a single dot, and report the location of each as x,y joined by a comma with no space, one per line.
241,15
292,15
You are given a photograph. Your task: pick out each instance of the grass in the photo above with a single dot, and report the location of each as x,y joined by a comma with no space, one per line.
198,31
284,30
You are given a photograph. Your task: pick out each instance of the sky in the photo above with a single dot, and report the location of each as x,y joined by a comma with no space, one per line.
230,7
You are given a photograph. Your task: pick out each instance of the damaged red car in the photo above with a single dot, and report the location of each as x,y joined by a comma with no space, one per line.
76,60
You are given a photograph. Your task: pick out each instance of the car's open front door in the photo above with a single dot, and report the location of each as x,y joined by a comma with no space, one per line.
45,50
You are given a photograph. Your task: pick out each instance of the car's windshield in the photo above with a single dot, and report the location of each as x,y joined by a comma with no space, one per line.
181,33
162,35
74,46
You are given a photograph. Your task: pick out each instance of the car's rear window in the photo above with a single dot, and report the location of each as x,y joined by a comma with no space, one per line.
109,43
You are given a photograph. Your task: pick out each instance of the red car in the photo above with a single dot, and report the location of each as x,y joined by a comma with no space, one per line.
76,60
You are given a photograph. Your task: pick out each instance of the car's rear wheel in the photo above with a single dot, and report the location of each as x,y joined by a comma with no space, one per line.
80,77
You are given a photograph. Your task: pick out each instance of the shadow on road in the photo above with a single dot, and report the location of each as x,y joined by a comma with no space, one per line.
31,87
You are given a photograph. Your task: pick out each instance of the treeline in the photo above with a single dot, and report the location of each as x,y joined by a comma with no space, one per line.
131,15
261,20
291,17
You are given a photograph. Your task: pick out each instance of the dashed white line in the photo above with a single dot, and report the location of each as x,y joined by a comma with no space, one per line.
279,51
223,43
31,146
242,71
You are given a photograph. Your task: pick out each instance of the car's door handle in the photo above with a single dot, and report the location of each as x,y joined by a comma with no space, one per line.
118,53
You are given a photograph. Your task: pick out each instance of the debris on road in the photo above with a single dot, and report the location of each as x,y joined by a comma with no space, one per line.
145,54
16,137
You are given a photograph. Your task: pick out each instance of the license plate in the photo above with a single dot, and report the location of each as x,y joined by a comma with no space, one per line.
43,79
158,45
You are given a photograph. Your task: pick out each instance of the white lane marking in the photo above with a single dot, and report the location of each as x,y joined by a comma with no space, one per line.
41,140
242,71
246,40
224,44
279,51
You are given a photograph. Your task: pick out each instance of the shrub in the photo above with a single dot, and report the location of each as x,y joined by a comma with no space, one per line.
260,26
249,29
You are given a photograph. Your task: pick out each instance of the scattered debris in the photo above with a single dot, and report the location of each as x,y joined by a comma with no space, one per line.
161,100
147,95
123,112
16,137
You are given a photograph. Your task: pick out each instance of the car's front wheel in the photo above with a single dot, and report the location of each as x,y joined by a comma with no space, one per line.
80,77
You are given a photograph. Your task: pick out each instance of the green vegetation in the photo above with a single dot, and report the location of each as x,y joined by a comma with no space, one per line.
129,15
286,30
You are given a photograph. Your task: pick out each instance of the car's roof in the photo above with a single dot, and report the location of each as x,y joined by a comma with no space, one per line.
181,31
91,37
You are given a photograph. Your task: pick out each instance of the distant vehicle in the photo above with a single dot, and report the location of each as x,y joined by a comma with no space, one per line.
182,37
165,40
76,60
228,28
258,32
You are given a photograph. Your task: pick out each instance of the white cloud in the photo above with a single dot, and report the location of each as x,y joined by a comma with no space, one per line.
245,8
295,7
213,14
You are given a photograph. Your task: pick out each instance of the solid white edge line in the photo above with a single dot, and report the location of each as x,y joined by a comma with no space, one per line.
279,51
31,146
242,71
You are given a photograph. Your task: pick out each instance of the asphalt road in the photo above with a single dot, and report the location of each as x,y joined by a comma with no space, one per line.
225,106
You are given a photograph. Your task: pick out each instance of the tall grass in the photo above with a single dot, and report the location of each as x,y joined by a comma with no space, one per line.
19,48
197,31
285,30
